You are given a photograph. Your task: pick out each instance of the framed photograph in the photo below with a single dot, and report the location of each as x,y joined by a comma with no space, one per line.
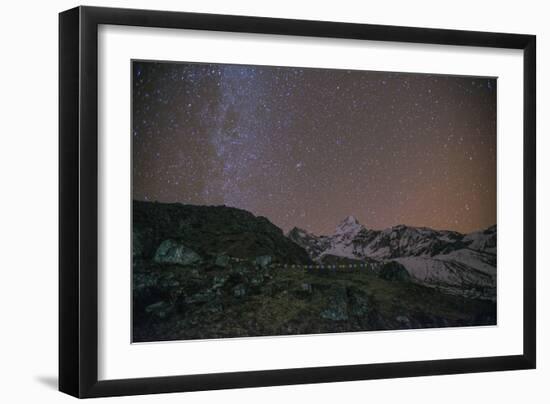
251,201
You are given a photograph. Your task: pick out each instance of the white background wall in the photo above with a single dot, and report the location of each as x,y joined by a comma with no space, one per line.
28,200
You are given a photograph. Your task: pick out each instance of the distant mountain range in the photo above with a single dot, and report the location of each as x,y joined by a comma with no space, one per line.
458,263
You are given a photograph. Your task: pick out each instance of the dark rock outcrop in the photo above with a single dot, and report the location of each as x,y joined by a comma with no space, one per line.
393,271
210,231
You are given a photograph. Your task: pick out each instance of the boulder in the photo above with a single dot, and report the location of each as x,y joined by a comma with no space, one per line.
239,290
303,290
359,303
263,261
337,308
404,321
159,309
306,287
173,252
256,279
394,271
222,261
335,313
219,281
201,297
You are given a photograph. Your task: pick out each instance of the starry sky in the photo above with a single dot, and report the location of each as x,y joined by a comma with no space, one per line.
307,147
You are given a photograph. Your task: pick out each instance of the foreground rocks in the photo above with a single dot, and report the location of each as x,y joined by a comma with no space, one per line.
173,252
207,300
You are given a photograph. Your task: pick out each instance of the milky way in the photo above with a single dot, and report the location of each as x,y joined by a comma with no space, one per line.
308,147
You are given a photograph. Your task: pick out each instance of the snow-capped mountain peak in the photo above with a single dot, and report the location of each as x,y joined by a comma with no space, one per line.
350,225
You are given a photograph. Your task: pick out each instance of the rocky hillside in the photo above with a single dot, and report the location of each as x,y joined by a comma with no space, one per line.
224,299
208,232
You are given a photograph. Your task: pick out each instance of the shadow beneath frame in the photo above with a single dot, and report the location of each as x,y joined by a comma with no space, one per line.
48,381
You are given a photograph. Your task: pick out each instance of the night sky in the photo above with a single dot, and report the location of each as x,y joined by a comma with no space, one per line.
308,147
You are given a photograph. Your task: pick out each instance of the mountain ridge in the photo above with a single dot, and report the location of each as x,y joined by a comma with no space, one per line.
349,229
442,258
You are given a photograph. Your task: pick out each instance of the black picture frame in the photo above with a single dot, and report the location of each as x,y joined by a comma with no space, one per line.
78,201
